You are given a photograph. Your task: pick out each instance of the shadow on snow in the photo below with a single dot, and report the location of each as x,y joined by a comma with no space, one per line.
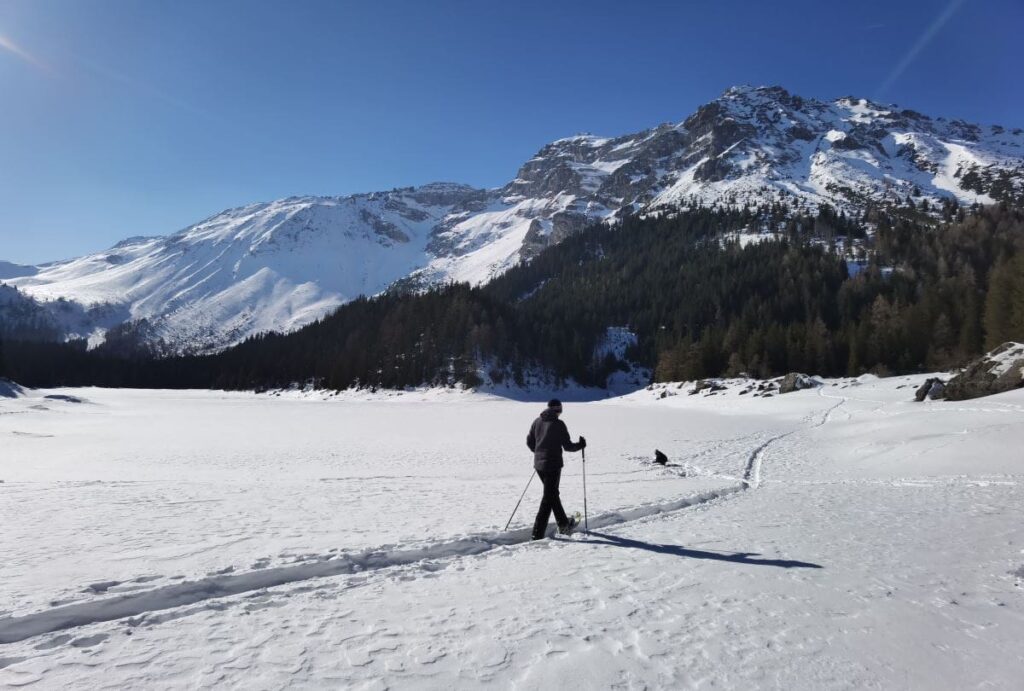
680,551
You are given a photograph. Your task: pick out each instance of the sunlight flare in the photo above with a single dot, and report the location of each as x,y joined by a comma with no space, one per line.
12,47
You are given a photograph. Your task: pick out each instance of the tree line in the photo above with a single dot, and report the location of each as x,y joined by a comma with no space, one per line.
704,294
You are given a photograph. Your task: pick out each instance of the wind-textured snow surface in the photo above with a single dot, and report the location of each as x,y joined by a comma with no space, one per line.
282,264
843,537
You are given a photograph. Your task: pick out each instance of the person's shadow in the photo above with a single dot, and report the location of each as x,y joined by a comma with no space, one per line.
678,551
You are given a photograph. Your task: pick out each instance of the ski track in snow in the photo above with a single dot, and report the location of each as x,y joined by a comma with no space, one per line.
752,472
14,629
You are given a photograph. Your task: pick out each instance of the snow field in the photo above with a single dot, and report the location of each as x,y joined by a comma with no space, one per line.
197,482
836,538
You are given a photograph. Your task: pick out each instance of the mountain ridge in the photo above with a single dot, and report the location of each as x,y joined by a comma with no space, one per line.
281,264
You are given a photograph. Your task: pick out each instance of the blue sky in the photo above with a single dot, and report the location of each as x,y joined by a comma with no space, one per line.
138,117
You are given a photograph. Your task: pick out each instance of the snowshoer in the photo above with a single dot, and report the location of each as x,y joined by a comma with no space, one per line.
547,438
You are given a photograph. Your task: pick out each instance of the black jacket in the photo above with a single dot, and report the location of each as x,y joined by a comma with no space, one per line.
548,436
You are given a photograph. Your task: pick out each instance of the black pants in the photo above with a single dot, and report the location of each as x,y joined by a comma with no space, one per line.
550,502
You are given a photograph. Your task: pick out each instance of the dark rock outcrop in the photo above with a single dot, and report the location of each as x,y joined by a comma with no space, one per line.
534,242
564,224
932,389
707,385
795,381
1000,370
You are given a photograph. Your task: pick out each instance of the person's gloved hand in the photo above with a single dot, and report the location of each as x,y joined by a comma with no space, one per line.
583,442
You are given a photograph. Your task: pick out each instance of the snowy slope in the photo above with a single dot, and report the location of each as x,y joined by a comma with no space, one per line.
282,264
841,538
273,266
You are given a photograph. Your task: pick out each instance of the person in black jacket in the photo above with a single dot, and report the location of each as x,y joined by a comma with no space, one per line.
548,436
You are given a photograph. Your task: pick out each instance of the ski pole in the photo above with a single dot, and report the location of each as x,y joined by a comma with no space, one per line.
586,518
520,500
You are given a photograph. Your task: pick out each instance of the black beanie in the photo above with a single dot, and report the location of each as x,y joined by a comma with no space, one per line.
556,404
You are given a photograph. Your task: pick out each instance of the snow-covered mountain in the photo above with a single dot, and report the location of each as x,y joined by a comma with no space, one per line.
282,264
270,266
756,145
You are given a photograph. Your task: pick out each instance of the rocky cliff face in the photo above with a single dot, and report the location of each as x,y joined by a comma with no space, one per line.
755,145
282,264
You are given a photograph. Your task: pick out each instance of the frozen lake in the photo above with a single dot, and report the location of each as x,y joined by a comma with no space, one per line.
836,538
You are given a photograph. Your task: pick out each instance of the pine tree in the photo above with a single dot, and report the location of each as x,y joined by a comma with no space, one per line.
1016,329
939,352
1000,311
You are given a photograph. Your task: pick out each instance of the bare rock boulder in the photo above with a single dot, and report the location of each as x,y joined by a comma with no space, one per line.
795,381
1000,370
932,389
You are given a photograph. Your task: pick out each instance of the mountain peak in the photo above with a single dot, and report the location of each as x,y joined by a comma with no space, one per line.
763,95
746,90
